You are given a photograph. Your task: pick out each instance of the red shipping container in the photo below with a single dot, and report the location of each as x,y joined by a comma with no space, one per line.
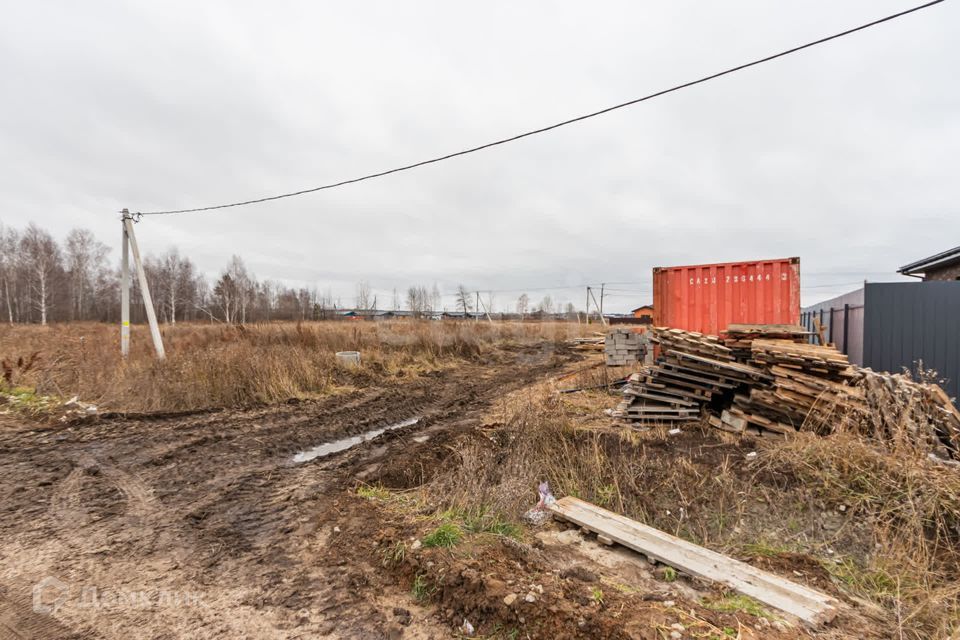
710,297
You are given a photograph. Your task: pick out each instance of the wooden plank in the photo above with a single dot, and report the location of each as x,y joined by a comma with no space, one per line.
741,370
671,399
807,604
784,329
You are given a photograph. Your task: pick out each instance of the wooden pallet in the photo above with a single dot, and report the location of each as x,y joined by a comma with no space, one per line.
807,604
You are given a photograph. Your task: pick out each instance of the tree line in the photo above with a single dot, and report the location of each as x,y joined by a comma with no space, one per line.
43,280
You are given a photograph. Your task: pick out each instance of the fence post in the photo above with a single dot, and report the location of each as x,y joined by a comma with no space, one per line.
830,334
846,328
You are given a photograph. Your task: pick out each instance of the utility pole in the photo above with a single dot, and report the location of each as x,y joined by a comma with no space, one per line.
602,319
125,294
588,305
602,285
130,240
478,307
485,310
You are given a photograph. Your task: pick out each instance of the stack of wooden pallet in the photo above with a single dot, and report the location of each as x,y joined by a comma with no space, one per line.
622,347
683,380
809,388
690,342
781,386
591,343
814,359
739,337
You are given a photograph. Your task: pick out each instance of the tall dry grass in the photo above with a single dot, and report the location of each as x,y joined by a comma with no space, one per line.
899,546
222,365
913,505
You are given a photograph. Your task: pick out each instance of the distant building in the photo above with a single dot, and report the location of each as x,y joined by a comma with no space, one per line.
644,313
942,266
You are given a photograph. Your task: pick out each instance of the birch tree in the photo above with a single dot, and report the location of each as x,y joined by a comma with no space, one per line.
42,260
464,300
9,241
85,258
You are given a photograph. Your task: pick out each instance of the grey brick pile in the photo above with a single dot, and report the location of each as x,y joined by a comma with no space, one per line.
622,347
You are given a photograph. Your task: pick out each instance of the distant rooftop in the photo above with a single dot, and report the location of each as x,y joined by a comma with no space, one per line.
935,261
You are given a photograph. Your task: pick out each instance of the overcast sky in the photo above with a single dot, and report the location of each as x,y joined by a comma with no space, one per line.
844,155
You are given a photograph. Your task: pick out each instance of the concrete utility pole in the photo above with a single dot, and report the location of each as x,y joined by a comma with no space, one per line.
125,294
588,305
603,320
485,310
130,240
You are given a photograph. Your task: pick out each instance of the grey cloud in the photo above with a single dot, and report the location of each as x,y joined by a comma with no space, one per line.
844,155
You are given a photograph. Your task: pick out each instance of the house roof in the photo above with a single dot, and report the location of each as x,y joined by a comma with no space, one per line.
643,306
942,259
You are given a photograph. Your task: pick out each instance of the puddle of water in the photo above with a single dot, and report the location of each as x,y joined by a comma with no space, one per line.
343,444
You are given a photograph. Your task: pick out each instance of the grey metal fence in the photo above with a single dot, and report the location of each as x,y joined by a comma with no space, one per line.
842,322
909,323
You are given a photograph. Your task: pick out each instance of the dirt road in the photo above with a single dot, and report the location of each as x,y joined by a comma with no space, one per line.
205,526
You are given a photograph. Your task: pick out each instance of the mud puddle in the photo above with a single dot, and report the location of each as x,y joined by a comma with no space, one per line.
336,446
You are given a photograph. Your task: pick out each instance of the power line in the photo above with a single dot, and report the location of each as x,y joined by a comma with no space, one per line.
556,125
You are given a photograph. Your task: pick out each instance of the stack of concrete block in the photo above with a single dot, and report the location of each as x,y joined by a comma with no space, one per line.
622,347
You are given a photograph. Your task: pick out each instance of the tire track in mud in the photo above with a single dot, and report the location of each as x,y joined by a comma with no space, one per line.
67,505
19,621
217,498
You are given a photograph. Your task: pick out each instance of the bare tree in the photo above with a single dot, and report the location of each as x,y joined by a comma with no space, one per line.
464,300
42,259
523,305
418,301
9,242
436,300
546,306
85,257
179,278
396,300
233,291
364,299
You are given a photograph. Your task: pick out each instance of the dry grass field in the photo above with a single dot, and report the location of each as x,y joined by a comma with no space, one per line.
216,365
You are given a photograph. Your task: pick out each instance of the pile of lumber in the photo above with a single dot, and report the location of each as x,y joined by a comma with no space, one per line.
816,360
739,337
902,410
683,380
591,343
622,347
809,389
699,344
756,384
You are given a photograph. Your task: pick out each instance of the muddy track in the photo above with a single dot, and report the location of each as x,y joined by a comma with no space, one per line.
212,505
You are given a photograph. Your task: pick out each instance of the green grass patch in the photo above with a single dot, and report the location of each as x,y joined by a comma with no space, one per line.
446,535
596,593
762,548
395,555
870,581
422,590
486,522
27,401
371,492
736,602
481,521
